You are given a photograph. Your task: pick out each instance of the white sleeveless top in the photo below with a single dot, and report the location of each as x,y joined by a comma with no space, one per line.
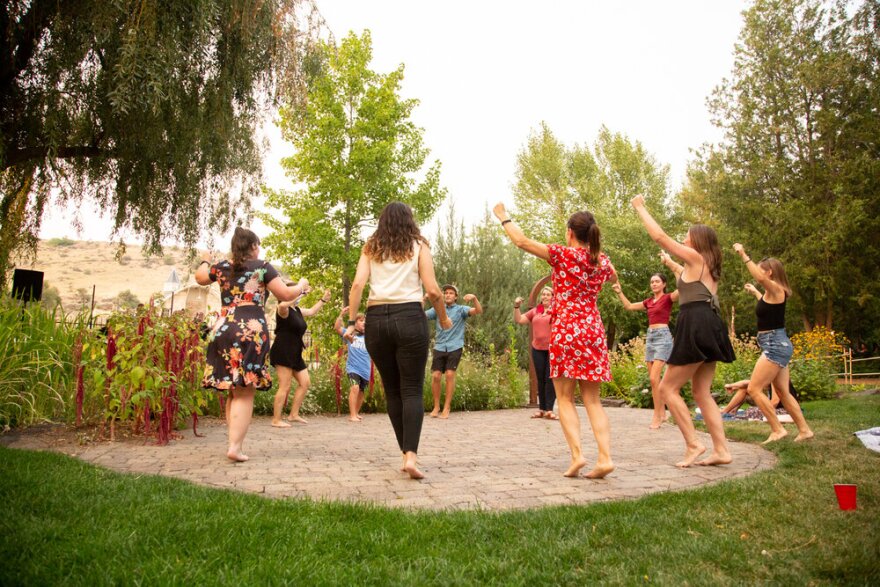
396,283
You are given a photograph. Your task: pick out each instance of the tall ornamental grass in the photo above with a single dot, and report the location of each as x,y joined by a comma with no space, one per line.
36,366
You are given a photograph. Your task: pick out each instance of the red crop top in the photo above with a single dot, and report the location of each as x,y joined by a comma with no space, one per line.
659,310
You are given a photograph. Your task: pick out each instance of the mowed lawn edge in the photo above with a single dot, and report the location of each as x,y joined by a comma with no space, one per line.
68,522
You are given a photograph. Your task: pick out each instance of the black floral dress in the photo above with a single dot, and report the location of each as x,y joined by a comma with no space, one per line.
239,341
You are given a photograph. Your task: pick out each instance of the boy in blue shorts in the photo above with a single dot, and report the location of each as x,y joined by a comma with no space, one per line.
358,365
448,345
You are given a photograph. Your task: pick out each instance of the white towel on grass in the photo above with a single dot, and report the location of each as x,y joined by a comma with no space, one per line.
870,438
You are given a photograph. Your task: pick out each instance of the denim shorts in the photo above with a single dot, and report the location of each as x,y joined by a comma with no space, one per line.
659,344
776,346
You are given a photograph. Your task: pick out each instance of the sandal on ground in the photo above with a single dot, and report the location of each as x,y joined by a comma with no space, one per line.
538,414
550,416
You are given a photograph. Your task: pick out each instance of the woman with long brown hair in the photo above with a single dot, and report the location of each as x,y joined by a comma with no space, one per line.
578,348
396,261
776,348
239,340
700,337
658,342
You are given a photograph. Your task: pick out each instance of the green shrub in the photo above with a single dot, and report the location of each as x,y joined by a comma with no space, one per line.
814,379
60,242
36,364
484,382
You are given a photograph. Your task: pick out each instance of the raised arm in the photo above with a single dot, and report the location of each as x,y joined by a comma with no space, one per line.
753,290
774,290
518,316
671,264
478,308
516,235
627,305
686,254
337,325
322,301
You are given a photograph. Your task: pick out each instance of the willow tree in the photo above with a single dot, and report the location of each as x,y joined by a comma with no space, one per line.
356,150
798,172
148,108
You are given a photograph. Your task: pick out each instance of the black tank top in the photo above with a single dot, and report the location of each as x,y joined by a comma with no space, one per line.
770,316
292,326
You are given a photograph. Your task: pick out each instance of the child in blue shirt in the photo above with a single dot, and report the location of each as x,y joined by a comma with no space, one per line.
358,365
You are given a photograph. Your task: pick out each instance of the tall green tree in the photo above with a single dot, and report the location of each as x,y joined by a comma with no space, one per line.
798,171
356,150
149,108
554,180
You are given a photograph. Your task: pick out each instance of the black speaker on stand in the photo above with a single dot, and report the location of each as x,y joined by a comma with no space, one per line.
27,285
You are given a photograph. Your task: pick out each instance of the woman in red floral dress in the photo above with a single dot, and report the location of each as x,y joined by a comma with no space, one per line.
578,347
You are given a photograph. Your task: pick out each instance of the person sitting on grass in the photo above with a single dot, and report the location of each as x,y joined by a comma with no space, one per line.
358,365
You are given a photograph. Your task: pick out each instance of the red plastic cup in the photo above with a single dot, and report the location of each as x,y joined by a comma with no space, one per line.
846,495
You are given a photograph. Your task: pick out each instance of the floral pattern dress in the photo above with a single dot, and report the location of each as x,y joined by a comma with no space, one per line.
238,344
578,347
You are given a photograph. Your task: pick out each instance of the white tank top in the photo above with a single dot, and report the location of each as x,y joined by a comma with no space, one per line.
396,283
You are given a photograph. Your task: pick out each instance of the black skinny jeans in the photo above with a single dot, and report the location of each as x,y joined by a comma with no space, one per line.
397,339
546,391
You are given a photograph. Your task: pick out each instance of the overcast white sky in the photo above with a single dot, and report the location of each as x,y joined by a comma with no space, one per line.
488,72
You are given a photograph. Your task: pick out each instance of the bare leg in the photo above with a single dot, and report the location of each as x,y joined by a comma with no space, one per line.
240,413
655,371
435,392
702,384
285,374
450,391
571,423
228,406
601,429
781,385
764,372
353,405
674,378
303,381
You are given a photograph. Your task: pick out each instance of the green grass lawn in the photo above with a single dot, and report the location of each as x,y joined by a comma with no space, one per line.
67,522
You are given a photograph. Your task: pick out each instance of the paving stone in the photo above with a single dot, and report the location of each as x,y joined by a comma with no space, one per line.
494,460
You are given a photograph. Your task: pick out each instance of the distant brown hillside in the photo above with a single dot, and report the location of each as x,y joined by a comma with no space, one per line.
73,265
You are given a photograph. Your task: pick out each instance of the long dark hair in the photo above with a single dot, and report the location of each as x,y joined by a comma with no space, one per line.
243,241
705,241
583,225
395,234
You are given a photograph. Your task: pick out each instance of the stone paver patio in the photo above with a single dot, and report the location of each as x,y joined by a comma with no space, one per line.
494,460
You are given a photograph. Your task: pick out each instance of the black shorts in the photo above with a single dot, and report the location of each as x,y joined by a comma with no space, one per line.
358,380
446,361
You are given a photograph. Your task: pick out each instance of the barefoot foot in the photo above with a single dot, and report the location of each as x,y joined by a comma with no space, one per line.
297,418
690,455
655,425
280,424
774,436
600,471
444,415
354,419
804,436
409,465
716,458
435,412
236,456
575,468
